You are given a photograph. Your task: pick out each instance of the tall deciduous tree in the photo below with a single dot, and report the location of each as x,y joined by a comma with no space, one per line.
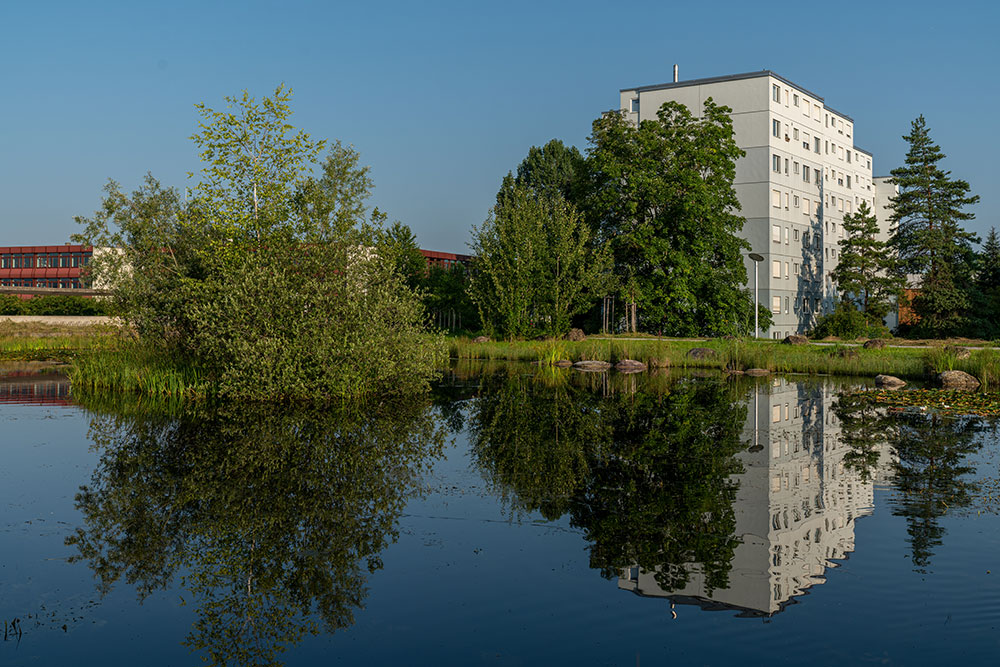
661,194
534,267
927,214
866,272
553,169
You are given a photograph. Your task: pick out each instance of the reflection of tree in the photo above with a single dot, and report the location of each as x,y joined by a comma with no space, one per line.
864,427
270,518
647,476
532,438
661,495
932,475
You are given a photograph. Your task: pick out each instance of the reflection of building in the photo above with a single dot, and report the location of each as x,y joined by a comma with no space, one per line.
795,508
35,388
801,175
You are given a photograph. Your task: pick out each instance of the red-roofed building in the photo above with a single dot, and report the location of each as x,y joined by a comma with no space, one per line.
47,266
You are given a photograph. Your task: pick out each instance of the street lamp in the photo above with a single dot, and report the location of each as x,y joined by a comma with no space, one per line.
756,305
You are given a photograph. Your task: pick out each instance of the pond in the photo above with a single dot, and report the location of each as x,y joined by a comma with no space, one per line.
516,516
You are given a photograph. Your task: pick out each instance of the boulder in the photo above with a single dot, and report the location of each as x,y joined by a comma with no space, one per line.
874,344
701,353
563,363
958,352
795,339
957,380
481,339
576,335
756,372
592,366
630,366
889,382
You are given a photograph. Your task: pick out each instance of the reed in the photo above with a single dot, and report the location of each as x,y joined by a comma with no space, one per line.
132,368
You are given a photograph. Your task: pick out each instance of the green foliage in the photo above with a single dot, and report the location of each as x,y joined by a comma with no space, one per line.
64,304
848,323
11,305
553,170
401,246
534,264
928,235
866,272
270,281
269,521
447,300
661,195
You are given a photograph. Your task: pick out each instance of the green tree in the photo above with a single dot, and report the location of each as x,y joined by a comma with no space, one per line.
661,193
927,214
988,276
866,272
270,281
534,267
402,247
446,298
553,169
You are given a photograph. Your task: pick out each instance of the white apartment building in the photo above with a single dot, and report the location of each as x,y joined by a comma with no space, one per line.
801,174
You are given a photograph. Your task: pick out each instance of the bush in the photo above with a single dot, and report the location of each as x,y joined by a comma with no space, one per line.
64,305
11,305
848,323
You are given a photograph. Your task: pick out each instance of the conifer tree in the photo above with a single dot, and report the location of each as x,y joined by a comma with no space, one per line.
928,235
866,272
988,277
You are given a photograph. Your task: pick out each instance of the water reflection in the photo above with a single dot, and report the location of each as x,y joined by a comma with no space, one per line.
270,520
33,386
724,494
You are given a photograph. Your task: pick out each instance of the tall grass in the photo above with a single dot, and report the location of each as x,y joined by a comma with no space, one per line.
133,368
740,355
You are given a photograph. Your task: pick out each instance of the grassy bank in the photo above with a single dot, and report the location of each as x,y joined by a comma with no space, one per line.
911,362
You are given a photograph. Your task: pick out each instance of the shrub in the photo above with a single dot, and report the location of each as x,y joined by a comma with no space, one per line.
848,323
64,305
11,305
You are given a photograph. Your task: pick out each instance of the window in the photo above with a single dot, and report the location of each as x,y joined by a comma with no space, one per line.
776,128
848,157
635,105
816,112
816,149
776,163
795,198
775,305
795,167
786,201
786,173
848,180
840,204
786,305
775,269
795,267
826,147
840,126
5,262
807,206
776,198
775,93
776,233
795,99
795,133
816,175
796,234
786,235
805,173
786,277
805,239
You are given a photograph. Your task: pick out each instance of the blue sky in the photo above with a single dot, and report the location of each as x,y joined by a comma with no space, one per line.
443,98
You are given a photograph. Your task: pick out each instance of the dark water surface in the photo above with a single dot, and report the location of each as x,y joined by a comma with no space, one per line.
516,517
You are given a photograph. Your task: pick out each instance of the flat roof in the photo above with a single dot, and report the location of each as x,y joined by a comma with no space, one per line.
859,149
735,77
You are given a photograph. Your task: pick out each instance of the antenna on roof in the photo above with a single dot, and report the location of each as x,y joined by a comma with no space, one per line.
675,73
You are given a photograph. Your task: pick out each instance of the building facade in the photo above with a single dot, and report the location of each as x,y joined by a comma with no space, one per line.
801,174
44,266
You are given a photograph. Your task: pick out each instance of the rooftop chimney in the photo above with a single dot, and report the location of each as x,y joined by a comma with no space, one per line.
675,73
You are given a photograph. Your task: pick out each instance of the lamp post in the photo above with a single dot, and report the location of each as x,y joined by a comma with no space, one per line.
757,258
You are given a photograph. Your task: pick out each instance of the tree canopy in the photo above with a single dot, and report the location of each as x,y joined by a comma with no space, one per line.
661,195
866,271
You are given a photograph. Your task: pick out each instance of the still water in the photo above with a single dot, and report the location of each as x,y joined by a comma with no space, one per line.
517,516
